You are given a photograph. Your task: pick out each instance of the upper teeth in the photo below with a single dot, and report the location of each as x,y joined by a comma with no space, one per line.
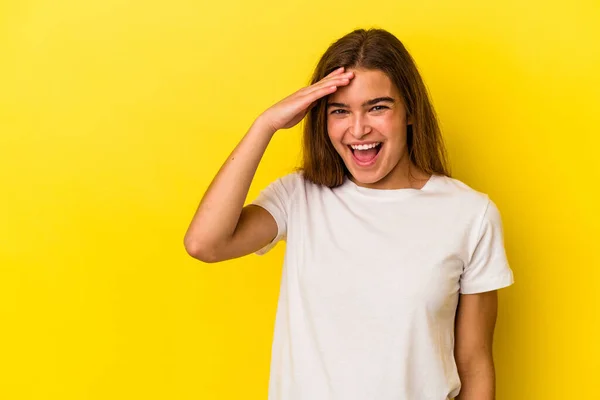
364,146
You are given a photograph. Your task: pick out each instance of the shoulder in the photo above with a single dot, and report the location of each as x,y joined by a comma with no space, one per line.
286,186
290,183
475,205
466,195
292,179
294,188
295,181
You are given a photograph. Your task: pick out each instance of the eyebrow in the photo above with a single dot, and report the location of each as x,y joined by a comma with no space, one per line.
366,103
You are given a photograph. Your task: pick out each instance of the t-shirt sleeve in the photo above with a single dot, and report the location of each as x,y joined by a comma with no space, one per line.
275,198
488,267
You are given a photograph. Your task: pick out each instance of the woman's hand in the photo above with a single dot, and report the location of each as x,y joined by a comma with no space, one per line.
292,109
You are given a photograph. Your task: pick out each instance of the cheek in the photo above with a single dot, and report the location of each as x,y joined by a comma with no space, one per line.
335,130
392,128
386,123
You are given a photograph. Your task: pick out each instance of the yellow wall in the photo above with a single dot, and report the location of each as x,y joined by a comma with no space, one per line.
114,117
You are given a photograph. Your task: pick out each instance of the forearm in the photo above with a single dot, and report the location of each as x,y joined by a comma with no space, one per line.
219,210
478,380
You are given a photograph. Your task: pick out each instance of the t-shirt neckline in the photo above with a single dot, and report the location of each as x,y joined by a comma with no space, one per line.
388,193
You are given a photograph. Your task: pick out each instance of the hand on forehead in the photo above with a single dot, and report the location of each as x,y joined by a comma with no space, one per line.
365,85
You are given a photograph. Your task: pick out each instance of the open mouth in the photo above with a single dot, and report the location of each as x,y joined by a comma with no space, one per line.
365,155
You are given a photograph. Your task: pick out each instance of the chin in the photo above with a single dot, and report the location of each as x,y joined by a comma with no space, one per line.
367,177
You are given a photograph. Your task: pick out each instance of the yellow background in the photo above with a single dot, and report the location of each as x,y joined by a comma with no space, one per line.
115,116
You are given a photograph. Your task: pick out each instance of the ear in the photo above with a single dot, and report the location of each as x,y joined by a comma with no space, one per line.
409,120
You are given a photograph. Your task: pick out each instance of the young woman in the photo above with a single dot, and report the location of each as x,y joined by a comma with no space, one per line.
391,267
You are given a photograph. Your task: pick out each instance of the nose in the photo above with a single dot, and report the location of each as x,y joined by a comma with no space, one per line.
358,126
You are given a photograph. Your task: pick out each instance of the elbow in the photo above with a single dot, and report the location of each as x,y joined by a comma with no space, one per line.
203,252
481,364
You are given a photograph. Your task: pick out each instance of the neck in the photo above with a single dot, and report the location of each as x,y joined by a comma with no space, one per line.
404,175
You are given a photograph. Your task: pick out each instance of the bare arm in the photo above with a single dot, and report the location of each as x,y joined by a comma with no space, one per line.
210,236
222,228
474,331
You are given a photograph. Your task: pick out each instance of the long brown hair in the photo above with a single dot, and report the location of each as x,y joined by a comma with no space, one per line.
374,49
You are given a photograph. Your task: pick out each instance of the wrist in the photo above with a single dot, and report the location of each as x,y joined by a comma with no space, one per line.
261,124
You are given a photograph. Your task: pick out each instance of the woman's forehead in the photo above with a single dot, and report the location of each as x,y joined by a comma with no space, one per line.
365,85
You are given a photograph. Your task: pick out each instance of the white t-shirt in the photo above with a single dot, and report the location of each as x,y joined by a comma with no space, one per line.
370,285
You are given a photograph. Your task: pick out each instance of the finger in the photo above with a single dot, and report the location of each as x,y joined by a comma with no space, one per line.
310,101
328,81
335,71
319,93
329,77
340,81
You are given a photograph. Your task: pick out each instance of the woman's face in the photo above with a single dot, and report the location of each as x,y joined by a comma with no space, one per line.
369,113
